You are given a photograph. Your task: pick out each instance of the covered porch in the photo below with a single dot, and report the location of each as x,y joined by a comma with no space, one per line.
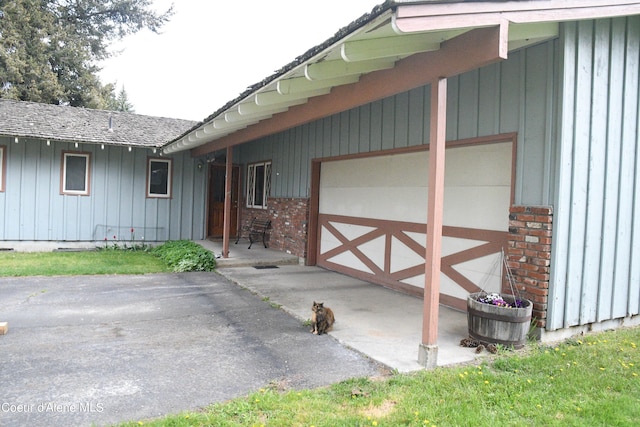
378,322
396,49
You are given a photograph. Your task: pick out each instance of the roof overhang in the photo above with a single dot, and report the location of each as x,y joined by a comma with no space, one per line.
387,38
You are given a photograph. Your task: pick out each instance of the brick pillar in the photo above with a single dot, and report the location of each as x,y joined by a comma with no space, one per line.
529,255
289,220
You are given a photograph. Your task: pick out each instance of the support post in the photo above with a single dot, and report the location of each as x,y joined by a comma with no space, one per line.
228,182
428,351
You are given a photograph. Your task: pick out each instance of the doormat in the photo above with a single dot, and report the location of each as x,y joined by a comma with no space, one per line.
264,267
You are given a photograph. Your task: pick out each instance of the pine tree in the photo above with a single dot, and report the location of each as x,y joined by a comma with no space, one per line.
122,102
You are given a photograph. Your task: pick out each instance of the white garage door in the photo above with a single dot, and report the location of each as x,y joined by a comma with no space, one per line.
372,219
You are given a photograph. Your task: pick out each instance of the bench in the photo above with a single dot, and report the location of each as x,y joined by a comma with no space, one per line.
257,227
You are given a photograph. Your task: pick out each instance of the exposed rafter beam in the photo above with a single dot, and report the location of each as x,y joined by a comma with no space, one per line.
249,108
221,123
331,69
388,47
273,97
202,134
236,117
304,85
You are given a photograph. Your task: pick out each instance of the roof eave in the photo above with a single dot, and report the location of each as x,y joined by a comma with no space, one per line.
409,25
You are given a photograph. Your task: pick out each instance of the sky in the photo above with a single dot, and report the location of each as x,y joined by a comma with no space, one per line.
212,50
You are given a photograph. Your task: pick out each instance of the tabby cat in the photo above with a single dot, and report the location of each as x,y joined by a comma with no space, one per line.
322,318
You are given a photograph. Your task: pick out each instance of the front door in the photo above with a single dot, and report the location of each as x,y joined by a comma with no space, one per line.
216,199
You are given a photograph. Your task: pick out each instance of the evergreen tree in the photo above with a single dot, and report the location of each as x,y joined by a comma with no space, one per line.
49,48
122,102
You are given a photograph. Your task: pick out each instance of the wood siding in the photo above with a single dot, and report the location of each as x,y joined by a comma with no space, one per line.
596,256
516,95
32,208
573,103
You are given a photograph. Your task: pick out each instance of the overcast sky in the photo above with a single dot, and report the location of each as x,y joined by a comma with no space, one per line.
212,50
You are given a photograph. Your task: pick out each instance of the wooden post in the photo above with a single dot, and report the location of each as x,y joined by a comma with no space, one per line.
428,351
228,182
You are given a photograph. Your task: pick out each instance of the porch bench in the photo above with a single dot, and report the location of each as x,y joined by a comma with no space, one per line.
257,227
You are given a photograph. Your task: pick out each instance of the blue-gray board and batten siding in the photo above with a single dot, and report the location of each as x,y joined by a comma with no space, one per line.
596,260
544,94
32,208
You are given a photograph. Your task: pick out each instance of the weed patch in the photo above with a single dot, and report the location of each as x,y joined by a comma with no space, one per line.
185,255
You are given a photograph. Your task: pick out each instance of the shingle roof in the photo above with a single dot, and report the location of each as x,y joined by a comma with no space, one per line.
62,123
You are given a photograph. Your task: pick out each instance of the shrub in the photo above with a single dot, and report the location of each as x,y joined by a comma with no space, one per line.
185,255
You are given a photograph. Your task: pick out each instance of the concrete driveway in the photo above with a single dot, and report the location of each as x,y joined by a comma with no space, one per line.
105,349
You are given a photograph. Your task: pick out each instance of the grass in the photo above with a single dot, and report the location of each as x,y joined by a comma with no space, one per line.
175,255
594,380
80,263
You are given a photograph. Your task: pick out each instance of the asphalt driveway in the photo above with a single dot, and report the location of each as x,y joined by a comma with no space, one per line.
105,349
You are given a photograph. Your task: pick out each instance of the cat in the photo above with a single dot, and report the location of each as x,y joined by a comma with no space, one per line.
322,318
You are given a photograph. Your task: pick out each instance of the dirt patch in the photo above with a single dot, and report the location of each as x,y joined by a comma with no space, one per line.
379,411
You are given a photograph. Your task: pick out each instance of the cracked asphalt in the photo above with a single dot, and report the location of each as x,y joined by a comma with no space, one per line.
99,350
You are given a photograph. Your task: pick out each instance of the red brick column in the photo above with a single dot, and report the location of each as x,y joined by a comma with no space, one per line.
289,220
289,224
529,255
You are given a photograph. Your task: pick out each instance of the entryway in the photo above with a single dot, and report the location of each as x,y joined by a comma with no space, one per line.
217,173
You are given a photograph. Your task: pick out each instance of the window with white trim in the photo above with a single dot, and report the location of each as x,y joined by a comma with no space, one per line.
2,168
159,178
258,184
75,173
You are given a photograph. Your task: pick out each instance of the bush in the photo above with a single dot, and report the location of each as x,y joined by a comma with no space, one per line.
185,255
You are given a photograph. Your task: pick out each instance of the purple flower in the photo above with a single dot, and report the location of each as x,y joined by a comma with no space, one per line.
497,300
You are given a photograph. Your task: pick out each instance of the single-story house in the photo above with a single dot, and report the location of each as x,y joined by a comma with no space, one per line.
79,175
446,131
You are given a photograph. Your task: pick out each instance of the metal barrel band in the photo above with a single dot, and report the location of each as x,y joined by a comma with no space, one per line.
500,317
488,340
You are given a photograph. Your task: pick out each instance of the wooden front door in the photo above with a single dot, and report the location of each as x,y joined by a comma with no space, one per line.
216,199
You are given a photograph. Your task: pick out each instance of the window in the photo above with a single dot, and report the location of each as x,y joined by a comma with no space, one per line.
159,178
75,173
258,184
2,168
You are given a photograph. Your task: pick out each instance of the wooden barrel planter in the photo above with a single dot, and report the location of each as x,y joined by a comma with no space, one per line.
498,325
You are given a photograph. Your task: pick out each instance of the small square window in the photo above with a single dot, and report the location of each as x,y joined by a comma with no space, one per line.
75,173
258,184
159,178
3,164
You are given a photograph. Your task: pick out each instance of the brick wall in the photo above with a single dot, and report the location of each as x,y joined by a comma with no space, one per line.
529,255
289,224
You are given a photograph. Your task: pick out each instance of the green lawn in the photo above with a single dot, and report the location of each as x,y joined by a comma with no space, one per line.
80,263
591,381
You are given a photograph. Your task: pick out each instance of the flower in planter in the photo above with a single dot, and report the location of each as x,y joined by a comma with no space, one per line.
497,300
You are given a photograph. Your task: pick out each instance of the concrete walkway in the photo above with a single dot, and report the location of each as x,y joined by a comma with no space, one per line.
381,323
